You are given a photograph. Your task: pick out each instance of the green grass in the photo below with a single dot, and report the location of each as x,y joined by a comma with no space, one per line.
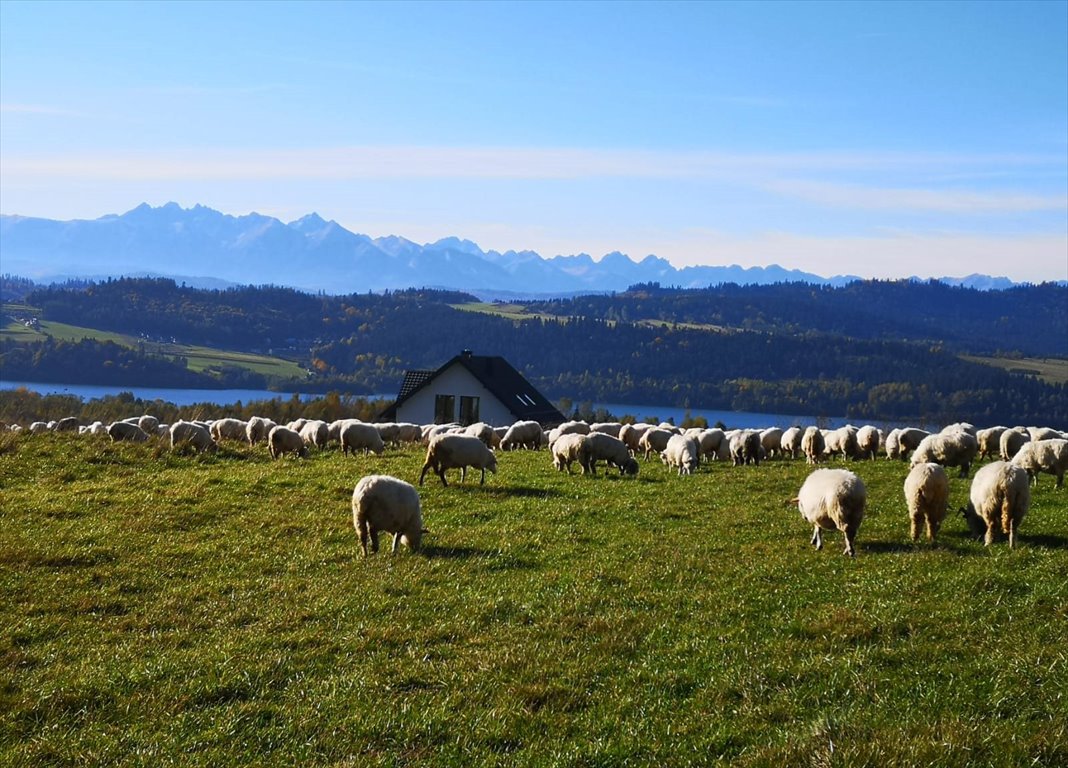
164,609
1052,370
199,358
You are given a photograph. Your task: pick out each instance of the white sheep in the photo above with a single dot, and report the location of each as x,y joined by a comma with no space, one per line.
683,454
458,451
790,442
483,432
606,428
315,433
1011,442
631,435
745,447
842,441
950,449
1044,433
892,444
927,497
600,446
148,424
910,439
1049,456
257,429
228,429
989,441
998,500
654,440
357,436
867,442
120,430
833,498
384,503
812,444
282,440
709,440
523,434
565,450
573,428
194,435
771,440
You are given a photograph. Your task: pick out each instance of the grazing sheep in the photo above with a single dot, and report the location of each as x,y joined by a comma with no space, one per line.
723,452
149,424
1036,433
745,447
120,430
771,440
566,449
654,440
1011,442
485,433
841,441
315,433
282,440
950,449
1049,456
458,451
69,424
790,442
601,446
867,442
99,428
389,432
709,440
357,436
38,428
683,454
998,500
194,435
631,435
833,498
910,439
229,429
523,434
927,496
892,444
961,426
297,425
257,429
573,428
812,444
607,428
990,441
384,503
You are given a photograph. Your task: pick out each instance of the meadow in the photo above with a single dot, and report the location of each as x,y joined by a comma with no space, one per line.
169,609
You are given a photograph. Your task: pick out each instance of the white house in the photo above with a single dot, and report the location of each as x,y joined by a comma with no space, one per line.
467,389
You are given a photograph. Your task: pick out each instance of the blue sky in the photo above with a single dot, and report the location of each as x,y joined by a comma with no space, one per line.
878,139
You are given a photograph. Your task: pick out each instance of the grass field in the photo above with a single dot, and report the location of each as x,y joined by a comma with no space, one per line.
1052,370
199,358
161,609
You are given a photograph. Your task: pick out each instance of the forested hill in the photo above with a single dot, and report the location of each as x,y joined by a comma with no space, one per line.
871,350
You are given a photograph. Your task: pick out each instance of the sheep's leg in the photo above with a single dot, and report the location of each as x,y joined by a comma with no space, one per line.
374,540
916,528
1012,534
364,536
441,474
932,528
463,474
817,538
850,534
989,538
1060,480
483,480
396,542
423,473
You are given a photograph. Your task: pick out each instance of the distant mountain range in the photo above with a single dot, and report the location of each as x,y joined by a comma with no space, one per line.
206,248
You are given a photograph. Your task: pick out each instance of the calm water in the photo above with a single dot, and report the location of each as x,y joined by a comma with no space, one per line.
733,419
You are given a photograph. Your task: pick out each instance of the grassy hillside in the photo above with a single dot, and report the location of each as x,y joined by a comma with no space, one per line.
160,609
1050,370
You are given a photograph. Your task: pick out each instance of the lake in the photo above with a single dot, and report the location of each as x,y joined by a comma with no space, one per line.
733,419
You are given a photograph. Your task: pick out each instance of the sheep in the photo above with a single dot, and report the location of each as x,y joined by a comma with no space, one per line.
1011,442
723,452
282,440
389,432
600,445
998,499
483,432
149,424
927,496
1049,456
120,430
867,442
69,424
790,442
257,429
38,428
669,427
709,440
565,450
910,439
99,428
385,503
841,441
297,425
952,449
523,434
458,451
771,440
408,433
653,440
194,435
573,428
229,429
631,435
607,428
812,444
357,436
745,447
1036,433
892,444
961,426
989,441
315,433
683,454
833,498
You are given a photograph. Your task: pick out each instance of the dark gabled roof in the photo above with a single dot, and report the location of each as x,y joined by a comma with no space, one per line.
494,373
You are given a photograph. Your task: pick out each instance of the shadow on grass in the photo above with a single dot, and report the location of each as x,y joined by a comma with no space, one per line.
885,547
458,553
1046,540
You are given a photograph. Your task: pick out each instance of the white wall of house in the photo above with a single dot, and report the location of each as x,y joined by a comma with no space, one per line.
457,381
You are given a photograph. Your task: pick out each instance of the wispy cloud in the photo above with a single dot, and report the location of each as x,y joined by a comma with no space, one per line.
937,200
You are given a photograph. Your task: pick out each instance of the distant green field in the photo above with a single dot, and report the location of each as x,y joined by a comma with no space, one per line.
161,609
1050,369
200,358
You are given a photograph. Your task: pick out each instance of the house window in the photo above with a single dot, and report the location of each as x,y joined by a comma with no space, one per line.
444,409
468,410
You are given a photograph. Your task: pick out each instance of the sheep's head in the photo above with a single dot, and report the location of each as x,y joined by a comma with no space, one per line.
975,523
491,465
630,467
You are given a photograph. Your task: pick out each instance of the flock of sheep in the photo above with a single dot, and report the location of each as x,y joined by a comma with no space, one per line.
829,499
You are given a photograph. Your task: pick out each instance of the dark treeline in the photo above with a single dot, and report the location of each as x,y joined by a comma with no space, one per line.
20,406
876,350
